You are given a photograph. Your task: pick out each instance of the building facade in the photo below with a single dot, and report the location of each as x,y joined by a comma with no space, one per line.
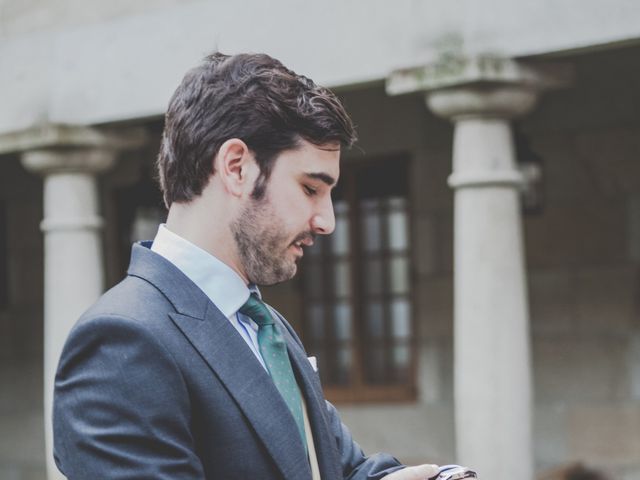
478,301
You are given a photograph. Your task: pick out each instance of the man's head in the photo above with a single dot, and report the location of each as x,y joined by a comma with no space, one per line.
249,155
254,98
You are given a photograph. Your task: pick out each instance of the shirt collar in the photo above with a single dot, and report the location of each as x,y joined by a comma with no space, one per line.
224,287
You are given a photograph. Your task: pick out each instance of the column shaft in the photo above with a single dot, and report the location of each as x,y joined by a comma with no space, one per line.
492,357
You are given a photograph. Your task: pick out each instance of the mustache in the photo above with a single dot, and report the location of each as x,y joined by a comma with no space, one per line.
303,237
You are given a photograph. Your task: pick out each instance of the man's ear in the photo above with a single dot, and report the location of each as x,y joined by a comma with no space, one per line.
234,164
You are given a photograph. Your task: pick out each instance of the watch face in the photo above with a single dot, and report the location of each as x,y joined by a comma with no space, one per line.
455,472
459,475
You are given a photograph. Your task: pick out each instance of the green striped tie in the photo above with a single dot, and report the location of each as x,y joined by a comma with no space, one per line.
274,353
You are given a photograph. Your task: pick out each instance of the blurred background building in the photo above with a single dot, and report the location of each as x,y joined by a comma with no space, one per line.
505,131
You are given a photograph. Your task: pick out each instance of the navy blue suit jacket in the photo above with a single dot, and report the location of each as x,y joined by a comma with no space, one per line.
155,383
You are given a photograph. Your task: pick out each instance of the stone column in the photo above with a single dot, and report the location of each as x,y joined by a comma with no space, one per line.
492,364
492,367
70,160
73,260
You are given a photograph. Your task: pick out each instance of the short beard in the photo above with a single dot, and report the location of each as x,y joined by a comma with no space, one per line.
261,245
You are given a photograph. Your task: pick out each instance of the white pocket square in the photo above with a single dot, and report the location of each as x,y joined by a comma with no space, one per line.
314,363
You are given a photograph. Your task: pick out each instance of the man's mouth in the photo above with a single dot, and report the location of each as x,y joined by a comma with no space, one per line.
305,241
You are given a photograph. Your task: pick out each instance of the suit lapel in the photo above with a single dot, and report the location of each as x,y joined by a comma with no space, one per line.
251,387
230,359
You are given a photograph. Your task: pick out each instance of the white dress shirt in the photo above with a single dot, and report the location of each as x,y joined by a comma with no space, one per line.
216,279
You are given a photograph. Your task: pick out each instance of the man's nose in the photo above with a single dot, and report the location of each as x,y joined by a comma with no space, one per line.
324,220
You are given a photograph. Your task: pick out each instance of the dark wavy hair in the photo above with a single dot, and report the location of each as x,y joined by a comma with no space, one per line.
254,98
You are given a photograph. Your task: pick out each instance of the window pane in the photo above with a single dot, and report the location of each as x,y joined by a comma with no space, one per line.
374,365
401,356
398,231
398,203
373,276
342,279
313,279
340,237
342,315
321,359
399,273
371,225
316,322
375,319
344,365
145,223
370,204
400,318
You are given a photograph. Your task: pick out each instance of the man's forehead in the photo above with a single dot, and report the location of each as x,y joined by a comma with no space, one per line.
316,162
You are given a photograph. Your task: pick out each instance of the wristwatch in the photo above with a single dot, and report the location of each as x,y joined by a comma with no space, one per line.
454,472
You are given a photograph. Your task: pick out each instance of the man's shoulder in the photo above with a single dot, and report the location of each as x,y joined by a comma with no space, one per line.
133,316
132,300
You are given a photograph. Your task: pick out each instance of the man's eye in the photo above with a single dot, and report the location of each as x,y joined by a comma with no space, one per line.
309,190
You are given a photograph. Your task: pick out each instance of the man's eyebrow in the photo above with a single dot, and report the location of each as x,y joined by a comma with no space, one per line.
323,177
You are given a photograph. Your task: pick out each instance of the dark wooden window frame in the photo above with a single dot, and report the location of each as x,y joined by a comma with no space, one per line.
358,390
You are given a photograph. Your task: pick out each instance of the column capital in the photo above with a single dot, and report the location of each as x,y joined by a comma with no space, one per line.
52,136
51,148
65,160
459,86
468,101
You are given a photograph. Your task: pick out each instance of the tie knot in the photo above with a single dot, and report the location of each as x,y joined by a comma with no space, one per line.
256,309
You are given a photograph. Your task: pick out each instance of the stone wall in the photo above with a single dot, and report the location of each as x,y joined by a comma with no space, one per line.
584,270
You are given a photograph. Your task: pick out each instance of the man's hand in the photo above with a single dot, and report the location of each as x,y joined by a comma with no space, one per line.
419,472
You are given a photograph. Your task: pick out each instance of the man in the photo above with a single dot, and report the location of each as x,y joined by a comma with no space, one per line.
181,371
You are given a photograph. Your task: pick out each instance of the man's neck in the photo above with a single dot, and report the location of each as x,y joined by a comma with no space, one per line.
212,237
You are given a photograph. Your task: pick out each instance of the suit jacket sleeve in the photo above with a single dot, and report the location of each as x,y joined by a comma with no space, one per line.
355,464
121,406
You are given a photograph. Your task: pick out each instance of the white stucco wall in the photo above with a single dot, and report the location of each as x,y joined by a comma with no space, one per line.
90,62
